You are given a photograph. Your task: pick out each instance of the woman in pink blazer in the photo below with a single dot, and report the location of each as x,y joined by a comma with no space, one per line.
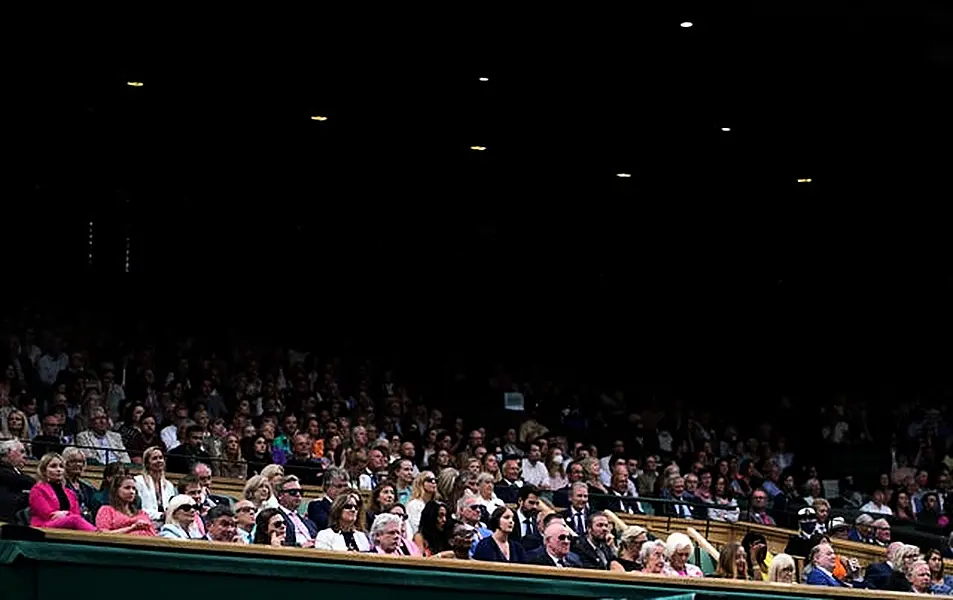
52,504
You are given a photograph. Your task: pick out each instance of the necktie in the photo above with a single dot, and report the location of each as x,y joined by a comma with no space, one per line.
562,562
580,525
529,526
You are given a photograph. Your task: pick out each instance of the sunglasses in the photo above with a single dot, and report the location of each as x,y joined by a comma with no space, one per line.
401,515
278,524
190,507
294,492
350,507
431,480
248,509
564,537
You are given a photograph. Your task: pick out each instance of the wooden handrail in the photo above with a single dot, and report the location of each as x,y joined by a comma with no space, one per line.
377,560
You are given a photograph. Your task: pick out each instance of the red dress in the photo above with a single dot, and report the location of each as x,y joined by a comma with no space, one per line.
109,519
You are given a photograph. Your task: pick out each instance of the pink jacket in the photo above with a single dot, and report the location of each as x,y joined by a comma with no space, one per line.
43,503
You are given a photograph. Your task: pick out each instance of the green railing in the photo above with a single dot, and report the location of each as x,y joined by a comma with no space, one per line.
154,569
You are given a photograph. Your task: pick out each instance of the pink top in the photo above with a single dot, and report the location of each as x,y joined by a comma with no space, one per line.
110,519
690,571
43,503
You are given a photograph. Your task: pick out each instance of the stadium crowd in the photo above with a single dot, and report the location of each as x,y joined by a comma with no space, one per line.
504,469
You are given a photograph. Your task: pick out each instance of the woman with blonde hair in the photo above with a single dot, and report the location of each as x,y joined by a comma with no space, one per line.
15,428
180,519
258,492
782,569
53,504
423,490
153,488
732,562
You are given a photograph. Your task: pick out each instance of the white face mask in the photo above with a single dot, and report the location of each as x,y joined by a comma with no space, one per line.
557,459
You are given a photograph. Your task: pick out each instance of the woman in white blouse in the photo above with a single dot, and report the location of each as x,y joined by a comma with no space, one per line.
152,486
423,490
346,526
487,497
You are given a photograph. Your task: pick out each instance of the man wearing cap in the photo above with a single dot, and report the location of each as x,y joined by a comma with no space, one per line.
807,536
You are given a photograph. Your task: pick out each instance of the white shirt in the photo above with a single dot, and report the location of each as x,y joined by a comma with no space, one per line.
170,436
535,474
150,503
870,507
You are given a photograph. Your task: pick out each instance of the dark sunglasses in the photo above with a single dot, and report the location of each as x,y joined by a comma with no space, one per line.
564,537
191,507
278,525
431,480
350,507
294,492
248,509
401,515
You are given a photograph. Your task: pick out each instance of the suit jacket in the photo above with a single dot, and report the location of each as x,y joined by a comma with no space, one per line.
318,511
619,503
589,556
90,446
878,575
488,550
14,492
291,538
517,533
545,559
818,577
43,503
507,492
571,521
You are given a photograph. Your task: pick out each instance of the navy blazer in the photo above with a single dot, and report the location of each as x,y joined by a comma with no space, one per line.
544,559
878,575
487,550
818,577
318,511
290,536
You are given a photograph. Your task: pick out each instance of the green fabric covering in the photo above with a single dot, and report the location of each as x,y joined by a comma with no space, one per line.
51,571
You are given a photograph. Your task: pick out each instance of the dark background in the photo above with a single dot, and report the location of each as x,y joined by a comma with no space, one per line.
380,226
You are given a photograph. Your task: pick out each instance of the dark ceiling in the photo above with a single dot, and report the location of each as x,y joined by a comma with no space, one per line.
215,160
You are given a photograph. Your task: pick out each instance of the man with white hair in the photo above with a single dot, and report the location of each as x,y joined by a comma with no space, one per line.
557,538
878,574
14,484
918,574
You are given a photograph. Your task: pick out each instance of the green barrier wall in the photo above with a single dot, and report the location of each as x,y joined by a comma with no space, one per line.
53,571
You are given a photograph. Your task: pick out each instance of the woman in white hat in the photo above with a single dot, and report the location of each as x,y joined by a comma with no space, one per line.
180,519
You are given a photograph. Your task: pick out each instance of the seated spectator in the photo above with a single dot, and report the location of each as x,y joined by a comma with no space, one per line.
902,507
940,583
881,529
461,540
336,482
508,487
557,539
577,515
258,492
101,497
499,547
759,559
145,438
725,507
630,547
385,493
270,528
594,549
257,453
52,504
222,525
877,504
678,549
918,575
345,526
51,438
931,513
245,512
423,490
653,557
732,563
183,457
432,537
374,472
230,463
99,444
121,515
153,487
73,479
862,531
574,474
903,560
408,547
203,473
302,462
822,560
758,510
469,512
14,484
386,533
487,497
299,531
782,569
180,518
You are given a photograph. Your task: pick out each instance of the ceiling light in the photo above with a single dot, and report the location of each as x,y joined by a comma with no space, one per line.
804,181
726,128
624,175
484,79
134,83
687,24
317,118
478,148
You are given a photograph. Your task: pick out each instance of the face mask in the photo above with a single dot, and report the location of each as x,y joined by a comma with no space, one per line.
557,459
807,527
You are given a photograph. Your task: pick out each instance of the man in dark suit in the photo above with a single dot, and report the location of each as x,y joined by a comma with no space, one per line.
556,542
574,475
336,481
878,574
577,515
299,531
528,507
509,486
14,485
593,548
